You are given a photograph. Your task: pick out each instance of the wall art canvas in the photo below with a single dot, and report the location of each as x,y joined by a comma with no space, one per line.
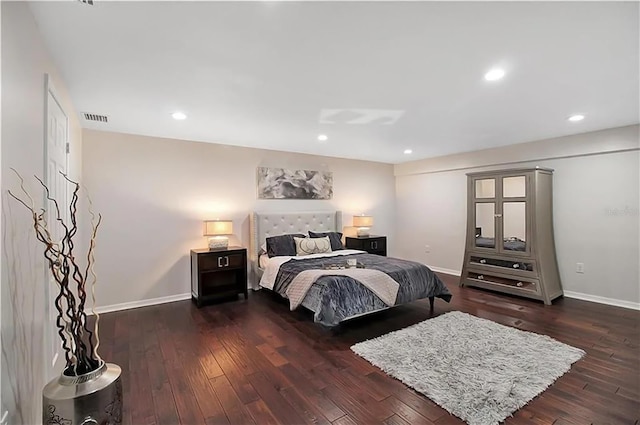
281,183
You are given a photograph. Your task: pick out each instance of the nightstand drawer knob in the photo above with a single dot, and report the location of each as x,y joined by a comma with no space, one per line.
226,261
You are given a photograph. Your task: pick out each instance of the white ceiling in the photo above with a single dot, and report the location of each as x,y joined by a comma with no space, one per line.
376,78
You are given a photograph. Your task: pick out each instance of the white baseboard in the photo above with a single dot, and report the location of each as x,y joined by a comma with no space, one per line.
182,297
142,303
445,271
569,294
602,300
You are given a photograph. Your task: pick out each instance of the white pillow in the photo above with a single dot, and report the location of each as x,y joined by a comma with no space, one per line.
263,261
306,246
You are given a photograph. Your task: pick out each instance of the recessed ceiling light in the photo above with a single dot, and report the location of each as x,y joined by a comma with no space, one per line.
576,117
494,74
408,151
322,137
179,116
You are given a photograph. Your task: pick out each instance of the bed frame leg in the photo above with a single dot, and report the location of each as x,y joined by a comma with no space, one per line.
431,300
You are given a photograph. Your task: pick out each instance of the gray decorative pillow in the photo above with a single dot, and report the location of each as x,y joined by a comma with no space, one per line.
334,237
282,245
306,246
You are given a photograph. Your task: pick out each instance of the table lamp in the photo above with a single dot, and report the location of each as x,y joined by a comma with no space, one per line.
363,223
218,230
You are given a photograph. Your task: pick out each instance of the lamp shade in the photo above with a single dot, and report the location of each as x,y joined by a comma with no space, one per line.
218,227
362,221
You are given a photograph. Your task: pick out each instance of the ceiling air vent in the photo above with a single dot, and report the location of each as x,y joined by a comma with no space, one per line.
95,117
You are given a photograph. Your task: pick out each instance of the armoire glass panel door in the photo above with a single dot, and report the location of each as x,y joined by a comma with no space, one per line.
514,226
485,225
514,187
485,188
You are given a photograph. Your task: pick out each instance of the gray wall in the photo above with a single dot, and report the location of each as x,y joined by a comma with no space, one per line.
154,194
596,204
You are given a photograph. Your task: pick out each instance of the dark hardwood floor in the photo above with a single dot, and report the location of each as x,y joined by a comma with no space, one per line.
245,362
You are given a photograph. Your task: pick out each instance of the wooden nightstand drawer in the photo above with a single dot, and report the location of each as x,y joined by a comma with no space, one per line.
220,261
372,244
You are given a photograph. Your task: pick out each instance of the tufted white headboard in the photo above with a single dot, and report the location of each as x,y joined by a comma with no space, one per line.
268,224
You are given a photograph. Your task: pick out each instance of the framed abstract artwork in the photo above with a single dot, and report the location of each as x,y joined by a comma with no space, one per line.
282,183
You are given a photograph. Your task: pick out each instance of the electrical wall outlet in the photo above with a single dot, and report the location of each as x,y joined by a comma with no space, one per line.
579,267
427,249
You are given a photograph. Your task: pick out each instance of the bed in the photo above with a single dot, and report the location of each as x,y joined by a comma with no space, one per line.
335,293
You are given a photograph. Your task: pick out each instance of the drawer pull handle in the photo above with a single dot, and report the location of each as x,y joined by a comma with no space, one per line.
226,261
220,262
483,261
480,277
516,266
519,284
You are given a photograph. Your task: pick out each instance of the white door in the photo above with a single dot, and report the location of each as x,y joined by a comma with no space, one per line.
57,132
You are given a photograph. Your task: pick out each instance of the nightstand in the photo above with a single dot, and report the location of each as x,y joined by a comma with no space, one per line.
372,244
218,274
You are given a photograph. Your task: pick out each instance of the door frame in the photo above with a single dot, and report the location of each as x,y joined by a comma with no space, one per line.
52,351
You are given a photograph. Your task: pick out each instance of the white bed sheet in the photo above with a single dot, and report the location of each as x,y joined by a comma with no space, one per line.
273,264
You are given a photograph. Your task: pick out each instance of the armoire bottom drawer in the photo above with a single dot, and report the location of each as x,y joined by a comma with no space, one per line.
487,280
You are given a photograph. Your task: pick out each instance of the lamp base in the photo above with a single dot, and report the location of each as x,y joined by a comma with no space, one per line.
363,231
219,242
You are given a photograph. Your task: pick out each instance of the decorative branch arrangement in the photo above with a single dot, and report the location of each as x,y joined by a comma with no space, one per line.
80,344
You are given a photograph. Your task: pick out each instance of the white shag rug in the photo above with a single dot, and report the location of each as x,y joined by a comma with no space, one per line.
474,368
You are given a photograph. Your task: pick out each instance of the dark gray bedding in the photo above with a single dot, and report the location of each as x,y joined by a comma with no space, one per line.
336,298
